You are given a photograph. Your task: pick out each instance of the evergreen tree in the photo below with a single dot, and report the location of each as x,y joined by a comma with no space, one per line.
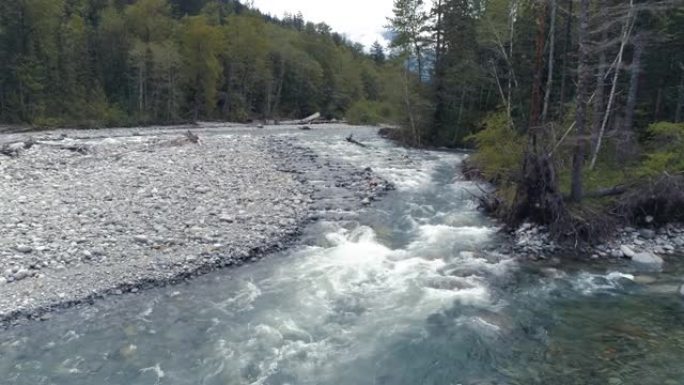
377,53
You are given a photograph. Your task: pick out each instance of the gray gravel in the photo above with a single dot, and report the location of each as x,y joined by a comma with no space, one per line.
130,212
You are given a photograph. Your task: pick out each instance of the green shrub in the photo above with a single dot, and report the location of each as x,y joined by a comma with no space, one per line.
367,112
665,150
500,149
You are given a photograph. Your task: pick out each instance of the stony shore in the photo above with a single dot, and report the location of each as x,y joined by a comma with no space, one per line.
86,215
647,247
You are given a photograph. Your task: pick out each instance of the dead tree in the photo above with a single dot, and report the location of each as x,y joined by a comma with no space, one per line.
537,197
599,93
583,72
627,136
552,50
680,103
566,48
626,32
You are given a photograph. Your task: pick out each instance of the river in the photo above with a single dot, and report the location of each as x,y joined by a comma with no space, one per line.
408,291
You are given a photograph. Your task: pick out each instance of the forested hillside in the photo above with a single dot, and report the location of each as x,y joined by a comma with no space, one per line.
567,102
120,62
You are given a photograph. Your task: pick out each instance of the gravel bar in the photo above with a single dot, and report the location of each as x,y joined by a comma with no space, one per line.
81,219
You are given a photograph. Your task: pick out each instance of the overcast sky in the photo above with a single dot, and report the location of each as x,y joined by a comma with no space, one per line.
360,20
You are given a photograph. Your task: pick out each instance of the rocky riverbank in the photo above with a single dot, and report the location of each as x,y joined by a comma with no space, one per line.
110,212
648,247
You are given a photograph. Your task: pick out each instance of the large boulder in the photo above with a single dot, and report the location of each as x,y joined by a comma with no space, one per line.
648,258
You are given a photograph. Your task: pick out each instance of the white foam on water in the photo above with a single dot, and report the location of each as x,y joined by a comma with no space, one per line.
440,241
349,298
156,370
588,283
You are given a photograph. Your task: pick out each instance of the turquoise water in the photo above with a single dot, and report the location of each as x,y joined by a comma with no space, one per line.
410,292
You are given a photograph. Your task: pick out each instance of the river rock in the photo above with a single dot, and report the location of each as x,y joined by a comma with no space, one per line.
647,233
681,291
142,239
24,249
627,251
648,258
645,279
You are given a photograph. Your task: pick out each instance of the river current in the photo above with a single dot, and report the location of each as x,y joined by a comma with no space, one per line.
410,290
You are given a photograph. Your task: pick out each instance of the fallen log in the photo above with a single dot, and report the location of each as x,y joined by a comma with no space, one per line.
311,118
351,140
14,149
192,137
603,193
608,192
188,138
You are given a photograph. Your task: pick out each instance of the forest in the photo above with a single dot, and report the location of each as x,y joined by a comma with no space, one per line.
94,63
575,107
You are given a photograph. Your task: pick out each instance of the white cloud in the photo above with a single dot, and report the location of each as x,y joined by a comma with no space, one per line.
361,21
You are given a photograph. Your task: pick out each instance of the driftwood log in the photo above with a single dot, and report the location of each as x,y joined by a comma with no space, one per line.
351,140
15,148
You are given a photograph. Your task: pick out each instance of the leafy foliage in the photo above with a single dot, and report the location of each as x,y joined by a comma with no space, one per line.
500,149
665,150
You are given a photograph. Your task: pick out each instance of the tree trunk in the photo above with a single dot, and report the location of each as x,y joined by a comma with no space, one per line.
409,111
438,32
639,44
511,73
626,32
419,59
599,94
279,89
536,102
552,46
564,64
537,196
141,90
583,71
680,104
439,77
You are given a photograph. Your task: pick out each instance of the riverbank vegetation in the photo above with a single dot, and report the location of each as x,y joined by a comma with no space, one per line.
95,63
575,107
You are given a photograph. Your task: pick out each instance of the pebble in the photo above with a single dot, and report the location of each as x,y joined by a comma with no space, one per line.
24,249
141,239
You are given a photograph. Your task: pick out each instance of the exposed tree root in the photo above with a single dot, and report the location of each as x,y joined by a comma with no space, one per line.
537,198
